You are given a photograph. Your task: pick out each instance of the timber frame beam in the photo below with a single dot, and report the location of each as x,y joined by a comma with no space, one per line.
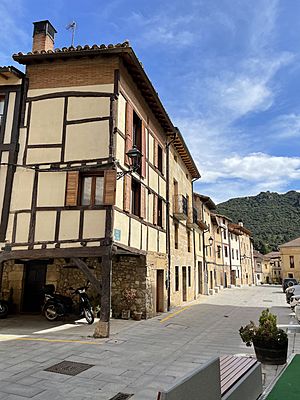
38,254
87,272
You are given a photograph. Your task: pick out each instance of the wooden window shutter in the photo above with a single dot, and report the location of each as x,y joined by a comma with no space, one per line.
155,199
72,188
110,180
127,193
155,153
144,199
143,166
129,130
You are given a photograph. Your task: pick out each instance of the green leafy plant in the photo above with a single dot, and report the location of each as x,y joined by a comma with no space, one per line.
266,334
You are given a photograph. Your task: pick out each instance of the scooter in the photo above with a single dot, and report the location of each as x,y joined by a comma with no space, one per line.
3,309
57,305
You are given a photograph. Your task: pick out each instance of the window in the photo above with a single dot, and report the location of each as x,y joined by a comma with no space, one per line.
160,212
160,158
200,240
2,101
176,279
225,234
189,276
176,235
218,231
219,251
189,241
290,275
226,251
292,262
135,198
92,189
237,254
137,131
232,252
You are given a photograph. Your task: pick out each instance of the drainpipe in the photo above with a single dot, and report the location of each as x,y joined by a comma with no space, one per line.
168,280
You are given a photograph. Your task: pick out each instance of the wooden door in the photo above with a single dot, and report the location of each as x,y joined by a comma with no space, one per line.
184,289
35,278
200,278
160,290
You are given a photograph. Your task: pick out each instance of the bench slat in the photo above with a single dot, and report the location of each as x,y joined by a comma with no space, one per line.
240,366
235,367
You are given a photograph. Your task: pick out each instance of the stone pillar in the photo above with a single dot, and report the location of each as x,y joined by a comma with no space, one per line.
103,326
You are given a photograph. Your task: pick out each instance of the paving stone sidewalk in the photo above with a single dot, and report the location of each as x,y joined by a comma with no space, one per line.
140,357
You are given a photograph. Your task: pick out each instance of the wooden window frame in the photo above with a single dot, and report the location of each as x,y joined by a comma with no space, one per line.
189,241
135,198
292,262
160,217
92,175
160,159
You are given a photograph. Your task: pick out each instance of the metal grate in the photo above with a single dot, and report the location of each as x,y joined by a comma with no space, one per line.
121,396
69,368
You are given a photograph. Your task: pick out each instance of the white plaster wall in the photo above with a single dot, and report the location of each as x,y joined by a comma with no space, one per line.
152,239
22,231
88,107
51,189
9,118
144,237
135,234
22,189
87,141
69,225
121,113
36,156
121,222
94,224
45,225
107,88
46,121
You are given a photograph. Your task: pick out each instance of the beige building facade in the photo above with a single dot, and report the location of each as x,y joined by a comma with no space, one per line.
79,204
290,259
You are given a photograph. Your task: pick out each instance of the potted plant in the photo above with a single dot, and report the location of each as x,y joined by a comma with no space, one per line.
129,296
270,343
137,315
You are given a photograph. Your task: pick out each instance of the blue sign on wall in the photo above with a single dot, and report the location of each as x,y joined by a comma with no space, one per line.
117,234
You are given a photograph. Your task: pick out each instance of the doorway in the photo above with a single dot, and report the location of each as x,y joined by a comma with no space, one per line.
200,274
211,280
35,279
160,290
225,280
184,294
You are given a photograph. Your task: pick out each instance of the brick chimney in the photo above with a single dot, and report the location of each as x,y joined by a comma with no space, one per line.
43,36
240,222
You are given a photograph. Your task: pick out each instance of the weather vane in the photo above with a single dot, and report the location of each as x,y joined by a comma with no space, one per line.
72,26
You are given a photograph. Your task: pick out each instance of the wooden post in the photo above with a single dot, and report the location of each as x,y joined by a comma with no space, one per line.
102,327
1,274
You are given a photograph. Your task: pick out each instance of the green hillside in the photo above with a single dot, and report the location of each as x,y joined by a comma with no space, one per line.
273,218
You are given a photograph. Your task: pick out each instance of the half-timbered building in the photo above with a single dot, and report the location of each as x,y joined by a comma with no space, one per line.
78,209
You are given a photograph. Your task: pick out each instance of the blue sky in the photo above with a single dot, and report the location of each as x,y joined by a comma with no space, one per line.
227,71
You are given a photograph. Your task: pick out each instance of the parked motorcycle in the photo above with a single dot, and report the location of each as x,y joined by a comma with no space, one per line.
3,309
57,305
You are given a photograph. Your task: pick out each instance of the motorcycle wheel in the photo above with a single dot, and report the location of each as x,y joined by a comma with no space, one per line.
3,310
89,316
50,312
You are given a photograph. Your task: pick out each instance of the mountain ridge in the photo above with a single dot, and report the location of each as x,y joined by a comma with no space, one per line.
273,218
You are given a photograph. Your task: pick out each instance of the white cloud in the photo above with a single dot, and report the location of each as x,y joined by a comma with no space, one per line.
163,29
286,126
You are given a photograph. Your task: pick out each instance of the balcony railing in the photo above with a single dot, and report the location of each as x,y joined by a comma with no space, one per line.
180,208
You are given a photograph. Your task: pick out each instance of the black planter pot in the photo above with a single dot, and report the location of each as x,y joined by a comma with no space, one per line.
271,356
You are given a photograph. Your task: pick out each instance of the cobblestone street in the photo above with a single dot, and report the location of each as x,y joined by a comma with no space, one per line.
142,358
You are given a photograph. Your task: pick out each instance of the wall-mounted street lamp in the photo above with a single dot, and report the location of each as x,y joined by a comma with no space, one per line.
210,241
135,157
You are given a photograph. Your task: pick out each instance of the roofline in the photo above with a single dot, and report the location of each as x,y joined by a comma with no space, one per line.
12,70
206,200
131,61
223,216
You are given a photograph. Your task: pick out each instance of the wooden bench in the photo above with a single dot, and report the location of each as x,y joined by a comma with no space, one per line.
227,378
